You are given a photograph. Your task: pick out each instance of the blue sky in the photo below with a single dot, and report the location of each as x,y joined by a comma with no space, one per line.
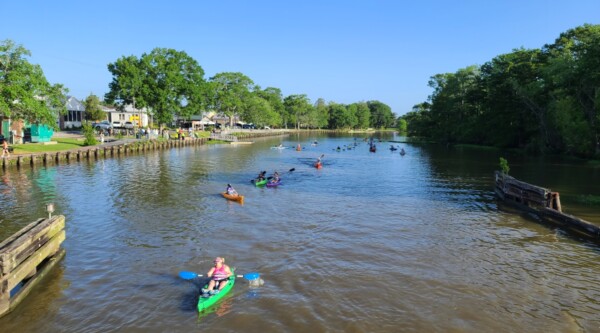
341,51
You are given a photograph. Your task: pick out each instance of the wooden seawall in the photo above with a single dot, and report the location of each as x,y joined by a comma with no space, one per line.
543,203
26,257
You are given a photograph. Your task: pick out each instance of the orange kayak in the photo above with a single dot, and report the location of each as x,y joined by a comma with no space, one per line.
238,198
318,165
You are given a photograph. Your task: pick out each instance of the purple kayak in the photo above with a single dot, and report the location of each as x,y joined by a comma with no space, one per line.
274,184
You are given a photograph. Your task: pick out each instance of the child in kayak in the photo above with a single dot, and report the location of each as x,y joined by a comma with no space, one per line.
219,275
230,190
275,178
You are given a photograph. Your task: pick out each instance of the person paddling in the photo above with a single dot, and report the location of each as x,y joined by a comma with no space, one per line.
275,178
230,190
261,176
219,275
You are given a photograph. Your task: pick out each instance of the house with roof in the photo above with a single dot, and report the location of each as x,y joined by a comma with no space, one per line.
75,114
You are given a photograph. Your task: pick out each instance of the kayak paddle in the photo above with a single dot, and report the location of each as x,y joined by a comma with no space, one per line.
188,275
191,275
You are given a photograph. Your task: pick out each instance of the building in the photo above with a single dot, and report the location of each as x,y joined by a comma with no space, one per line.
139,117
74,116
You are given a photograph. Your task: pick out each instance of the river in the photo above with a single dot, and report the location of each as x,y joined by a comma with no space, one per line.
372,242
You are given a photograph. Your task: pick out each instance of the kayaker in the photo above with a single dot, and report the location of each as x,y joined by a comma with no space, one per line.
219,275
275,178
230,190
261,176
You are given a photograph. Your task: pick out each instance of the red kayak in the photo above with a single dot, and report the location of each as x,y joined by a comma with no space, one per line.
318,165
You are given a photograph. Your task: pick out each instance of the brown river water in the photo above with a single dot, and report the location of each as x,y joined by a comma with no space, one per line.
372,242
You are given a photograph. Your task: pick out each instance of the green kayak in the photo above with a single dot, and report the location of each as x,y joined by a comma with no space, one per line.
261,182
205,302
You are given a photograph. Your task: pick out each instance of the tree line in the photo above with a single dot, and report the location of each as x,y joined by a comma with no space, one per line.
541,100
169,84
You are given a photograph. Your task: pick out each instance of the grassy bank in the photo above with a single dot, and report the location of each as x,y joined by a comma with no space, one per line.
60,145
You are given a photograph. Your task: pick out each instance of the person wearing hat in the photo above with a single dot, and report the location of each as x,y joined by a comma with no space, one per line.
230,190
219,275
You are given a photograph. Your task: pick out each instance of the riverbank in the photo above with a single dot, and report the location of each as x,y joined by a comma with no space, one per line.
113,146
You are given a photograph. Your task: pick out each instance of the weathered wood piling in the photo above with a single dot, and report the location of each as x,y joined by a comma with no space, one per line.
26,257
543,203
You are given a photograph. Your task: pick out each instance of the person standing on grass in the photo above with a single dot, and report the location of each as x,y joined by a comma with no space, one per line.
5,152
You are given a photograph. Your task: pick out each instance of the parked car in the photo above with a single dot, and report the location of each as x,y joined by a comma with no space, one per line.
267,127
117,124
248,126
103,125
128,125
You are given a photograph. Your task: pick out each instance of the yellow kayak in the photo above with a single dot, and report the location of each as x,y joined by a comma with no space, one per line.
238,198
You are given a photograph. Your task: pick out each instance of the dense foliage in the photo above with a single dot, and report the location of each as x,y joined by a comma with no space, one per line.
24,91
543,100
170,83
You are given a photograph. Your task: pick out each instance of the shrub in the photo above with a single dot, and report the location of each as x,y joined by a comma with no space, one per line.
89,134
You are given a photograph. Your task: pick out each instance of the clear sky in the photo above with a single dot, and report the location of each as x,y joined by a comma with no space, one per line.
341,51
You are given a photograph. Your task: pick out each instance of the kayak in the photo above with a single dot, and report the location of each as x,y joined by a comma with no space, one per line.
275,184
318,165
260,182
279,147
205,302
238,198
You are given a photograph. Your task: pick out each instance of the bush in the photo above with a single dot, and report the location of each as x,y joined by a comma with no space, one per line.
89,134
504,166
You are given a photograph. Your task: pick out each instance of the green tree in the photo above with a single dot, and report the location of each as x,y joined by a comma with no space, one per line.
573,72
259,112
128,86
297,107
321,113
341,117
229,92
92,108
418,121
275,99
166,81
363,115
402,125
381,114
25,93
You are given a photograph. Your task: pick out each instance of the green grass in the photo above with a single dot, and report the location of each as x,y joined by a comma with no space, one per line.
62,144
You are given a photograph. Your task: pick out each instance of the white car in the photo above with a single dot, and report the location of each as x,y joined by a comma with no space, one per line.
117,124
128,125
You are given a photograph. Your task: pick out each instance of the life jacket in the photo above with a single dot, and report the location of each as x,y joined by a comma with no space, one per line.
219,274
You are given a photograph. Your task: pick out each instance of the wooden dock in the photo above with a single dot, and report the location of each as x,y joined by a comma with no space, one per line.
26,257
543,203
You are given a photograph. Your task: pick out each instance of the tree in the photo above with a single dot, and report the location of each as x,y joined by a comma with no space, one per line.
229,93
92,108
259,112
321,113
25,93
166,81
341,117
127,85
574,67
363,115
381,114
297,107
275,99
402,125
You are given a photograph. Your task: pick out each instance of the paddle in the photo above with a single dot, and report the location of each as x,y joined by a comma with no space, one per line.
290,170
191,275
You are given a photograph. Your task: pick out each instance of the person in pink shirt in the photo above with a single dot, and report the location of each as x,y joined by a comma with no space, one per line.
219,275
